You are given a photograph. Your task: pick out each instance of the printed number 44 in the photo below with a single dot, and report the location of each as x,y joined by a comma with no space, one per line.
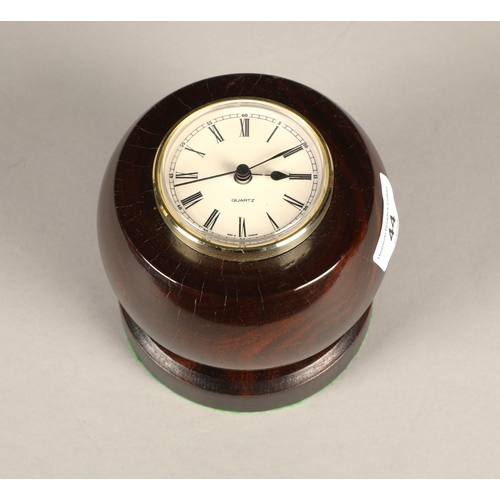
391,230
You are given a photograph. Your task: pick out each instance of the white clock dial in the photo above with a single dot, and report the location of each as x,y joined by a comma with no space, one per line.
243,175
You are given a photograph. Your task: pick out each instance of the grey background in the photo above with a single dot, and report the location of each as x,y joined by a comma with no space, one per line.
421,399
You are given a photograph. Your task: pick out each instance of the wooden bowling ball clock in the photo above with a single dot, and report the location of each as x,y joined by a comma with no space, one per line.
245,223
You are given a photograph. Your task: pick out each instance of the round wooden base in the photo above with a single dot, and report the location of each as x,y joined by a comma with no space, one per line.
246,390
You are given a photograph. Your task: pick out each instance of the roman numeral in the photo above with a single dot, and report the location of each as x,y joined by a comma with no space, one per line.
295,203
242,227
294,150
192,200
300,177
275,226
188,148
276,128
186,175
245,127
210,223
216,132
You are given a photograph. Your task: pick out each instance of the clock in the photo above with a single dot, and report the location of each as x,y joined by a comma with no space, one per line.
245,223
243,179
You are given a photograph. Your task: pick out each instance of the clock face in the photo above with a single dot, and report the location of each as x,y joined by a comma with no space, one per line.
243,176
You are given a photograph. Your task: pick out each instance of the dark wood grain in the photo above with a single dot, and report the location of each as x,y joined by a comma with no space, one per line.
247,390
243,315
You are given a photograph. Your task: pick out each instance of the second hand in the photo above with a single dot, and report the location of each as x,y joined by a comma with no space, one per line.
285,154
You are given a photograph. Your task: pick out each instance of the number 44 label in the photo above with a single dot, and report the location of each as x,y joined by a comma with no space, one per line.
390,226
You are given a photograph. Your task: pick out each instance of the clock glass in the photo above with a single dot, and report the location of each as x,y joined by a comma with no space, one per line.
248,177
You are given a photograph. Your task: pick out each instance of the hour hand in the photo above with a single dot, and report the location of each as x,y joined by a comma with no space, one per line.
277,176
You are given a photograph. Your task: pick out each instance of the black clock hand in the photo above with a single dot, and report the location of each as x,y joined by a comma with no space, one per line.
205,178
277,176
285,154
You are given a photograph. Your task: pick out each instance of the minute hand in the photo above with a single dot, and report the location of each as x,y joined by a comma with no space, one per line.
285,154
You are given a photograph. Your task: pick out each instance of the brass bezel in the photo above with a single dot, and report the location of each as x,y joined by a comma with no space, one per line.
248,252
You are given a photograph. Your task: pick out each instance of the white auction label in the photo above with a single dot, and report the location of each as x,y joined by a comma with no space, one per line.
390,226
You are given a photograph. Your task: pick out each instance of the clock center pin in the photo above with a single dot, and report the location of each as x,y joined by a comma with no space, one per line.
243,175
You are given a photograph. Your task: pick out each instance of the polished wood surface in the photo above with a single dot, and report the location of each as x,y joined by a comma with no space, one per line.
243,315
247,390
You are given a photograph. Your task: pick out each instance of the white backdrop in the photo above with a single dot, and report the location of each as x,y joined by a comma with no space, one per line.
421,399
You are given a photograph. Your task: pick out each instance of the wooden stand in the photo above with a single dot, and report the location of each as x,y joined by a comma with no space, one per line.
246,390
